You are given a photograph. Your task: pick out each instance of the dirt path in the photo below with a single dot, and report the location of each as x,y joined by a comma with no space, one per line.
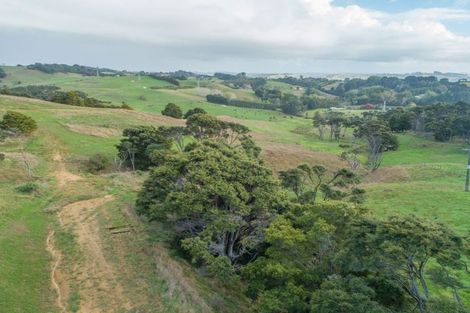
54,272
98,286
61,174
92,274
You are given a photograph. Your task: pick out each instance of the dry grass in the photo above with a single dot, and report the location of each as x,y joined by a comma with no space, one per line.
97,131
280,157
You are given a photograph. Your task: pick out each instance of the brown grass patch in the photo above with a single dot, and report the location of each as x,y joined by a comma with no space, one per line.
283,156
391,174
97,131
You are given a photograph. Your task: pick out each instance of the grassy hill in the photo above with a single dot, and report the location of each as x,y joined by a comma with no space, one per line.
135,270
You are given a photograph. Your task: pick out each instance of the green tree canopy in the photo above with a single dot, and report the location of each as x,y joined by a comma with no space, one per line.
18,122
172,110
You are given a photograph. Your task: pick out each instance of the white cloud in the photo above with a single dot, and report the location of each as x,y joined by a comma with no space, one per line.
277,29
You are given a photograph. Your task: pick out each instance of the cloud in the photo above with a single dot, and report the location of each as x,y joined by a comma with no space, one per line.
272,29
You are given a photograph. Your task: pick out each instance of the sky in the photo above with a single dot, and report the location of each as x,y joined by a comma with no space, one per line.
255,36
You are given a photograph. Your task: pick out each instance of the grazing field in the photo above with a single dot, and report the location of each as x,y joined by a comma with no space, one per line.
137,269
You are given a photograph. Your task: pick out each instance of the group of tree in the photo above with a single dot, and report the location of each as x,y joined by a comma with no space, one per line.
2,73
220,99
54,94
299,244
372,129
444,121
75,69
167,78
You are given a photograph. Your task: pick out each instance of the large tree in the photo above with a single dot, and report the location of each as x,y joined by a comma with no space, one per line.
379,138
138,142
218,198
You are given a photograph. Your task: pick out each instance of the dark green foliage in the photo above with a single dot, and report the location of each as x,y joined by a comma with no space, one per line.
97,163
165,78
134,150
54,94
291,105
345,295
77,69
29,187
2,73
379,139
401,248
172,110
194,111
18,122
307,181
219,99
218,199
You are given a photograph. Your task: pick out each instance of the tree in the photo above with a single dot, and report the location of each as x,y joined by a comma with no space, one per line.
203,126
139,141
319,121
194,111
300,178
379,139
400,248
345,295
175,134
218,199
18,122
291,105
2,73
172,110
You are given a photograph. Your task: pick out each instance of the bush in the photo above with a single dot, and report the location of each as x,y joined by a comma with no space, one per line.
2,73
194,111
28,187
217,99
15,121
172,110
97,163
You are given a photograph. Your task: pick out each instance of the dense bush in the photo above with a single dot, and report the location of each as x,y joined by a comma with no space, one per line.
15,121
219,99
2,73
194,111
172,110
97,163
167,79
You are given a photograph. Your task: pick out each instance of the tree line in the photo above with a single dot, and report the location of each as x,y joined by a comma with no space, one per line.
54,94
298,243
75,69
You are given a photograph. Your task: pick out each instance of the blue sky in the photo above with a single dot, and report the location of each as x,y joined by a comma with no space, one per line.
397,6
326,36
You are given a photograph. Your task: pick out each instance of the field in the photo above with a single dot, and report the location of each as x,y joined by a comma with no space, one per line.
136,271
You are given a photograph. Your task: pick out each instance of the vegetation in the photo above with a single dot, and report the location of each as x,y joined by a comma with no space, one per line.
28,187
166,78
76,69
2,73
172,110
15,122
54,94
326,255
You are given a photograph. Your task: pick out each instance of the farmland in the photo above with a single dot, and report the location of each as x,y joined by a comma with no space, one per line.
422,176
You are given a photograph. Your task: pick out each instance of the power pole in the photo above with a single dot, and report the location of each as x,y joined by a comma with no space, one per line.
467,179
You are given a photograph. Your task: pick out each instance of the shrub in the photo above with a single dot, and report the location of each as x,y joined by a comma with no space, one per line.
194,111
217,99
28,187
97,163
172,110
18,122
